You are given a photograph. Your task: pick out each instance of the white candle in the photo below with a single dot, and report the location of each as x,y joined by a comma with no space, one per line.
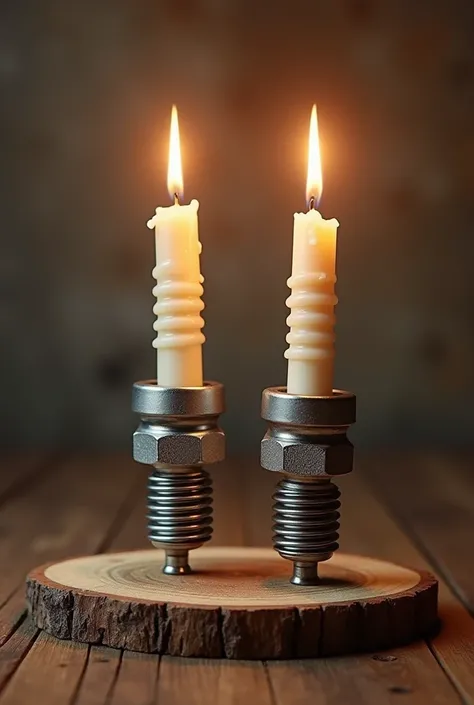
311,338
178,287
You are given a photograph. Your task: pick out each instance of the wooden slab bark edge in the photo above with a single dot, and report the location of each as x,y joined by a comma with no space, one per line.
266,632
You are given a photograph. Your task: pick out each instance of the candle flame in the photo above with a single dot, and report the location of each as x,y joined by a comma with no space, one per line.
175,169
314,181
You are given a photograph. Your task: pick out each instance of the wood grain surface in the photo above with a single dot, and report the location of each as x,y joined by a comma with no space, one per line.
238,603
96,504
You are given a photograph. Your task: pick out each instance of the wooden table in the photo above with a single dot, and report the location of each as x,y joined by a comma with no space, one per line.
412,509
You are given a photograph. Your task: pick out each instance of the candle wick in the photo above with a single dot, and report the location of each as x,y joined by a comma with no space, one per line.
176,199
313,202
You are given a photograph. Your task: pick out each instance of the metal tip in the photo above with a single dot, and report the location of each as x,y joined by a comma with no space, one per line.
305,574
176,564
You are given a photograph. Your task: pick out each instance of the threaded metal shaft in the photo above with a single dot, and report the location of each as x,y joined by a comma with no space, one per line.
179,514
306,523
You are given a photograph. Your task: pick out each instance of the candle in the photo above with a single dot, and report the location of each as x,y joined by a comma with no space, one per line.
311,338
178,277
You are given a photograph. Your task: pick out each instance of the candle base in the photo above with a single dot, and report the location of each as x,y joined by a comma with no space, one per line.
178,434
306,441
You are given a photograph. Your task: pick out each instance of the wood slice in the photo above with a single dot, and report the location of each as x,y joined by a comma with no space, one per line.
238,604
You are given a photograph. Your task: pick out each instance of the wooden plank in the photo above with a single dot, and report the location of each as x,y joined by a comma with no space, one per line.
17,470
19,644
364,680
99,678
136,680
243,682
367,528
50,671
32,533
12,613
194,681
188,681
70,512
435,503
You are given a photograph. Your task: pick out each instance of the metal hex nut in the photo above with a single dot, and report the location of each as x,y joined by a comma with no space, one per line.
159,445
307,459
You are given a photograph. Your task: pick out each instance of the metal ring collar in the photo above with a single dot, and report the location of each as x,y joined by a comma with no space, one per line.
148,399
279,407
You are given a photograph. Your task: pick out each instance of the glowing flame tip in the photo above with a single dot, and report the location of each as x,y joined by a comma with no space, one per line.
314,181
175,169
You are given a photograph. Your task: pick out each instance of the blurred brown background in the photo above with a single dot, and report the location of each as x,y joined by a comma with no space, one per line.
86,91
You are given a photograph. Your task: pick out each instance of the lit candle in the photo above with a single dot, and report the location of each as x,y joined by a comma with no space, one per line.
178,277
312,301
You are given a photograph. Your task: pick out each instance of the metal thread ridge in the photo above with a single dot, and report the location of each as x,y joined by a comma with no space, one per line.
179,508
306,519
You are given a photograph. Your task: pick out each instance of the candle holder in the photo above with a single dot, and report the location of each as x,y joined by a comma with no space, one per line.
306,441
239,604
178,434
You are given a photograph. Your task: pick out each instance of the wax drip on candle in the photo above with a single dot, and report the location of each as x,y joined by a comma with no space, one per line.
178,309
311,338
179,303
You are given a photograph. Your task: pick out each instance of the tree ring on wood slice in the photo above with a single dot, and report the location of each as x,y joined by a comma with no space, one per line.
237,604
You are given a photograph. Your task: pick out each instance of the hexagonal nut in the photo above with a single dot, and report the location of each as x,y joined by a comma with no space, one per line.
307,459
152,446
